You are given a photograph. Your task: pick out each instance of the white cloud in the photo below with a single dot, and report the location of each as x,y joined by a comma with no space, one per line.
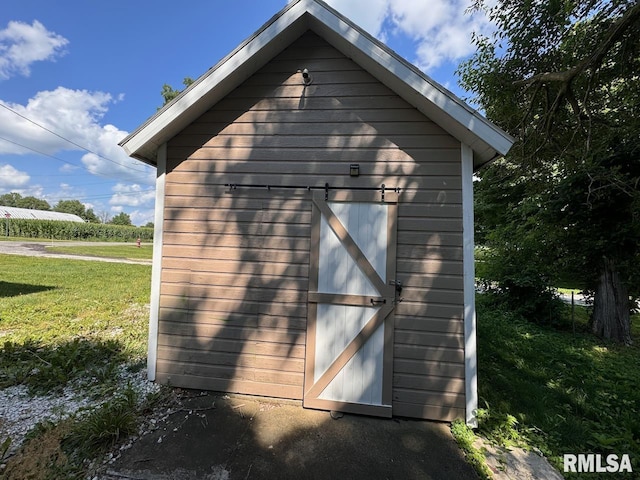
367,14
120,166
68,168
29,191
22,44
133,195
140,197
74,115
142,217
10,177
441,29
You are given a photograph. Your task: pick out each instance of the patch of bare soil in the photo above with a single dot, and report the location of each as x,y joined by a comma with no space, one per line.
41,456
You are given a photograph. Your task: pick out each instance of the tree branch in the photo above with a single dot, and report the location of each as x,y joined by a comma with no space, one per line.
613,34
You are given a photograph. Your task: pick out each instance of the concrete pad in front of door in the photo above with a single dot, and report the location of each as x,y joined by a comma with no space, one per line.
220,437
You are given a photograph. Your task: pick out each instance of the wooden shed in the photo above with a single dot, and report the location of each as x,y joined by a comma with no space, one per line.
314,225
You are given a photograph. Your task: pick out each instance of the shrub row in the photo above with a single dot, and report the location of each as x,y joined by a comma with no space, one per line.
74,230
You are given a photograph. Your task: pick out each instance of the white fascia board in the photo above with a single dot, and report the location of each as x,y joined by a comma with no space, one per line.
215,84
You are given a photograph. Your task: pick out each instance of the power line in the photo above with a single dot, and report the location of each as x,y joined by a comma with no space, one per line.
60,159
41,153
128,194
66,139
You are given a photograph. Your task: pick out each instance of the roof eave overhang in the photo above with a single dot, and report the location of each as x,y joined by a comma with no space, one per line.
467,125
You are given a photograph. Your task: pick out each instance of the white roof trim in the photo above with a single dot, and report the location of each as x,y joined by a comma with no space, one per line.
440,105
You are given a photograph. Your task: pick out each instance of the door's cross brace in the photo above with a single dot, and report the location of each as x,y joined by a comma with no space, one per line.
350,350
353,249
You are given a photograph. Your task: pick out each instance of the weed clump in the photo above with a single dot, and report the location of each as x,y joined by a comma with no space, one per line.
464,436
104,426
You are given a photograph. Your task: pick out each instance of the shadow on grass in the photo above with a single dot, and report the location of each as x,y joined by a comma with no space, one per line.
11,289
46,368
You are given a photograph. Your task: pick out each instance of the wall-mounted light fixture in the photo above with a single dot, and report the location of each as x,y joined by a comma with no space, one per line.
354,170
306,77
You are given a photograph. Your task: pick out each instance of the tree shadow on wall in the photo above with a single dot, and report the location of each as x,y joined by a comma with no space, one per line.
236,262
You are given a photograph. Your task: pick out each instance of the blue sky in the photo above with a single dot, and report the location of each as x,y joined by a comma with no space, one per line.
91,72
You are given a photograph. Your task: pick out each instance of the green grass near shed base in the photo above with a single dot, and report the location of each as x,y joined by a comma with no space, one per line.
73,323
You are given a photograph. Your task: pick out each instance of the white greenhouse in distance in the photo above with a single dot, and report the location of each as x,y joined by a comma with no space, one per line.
29,214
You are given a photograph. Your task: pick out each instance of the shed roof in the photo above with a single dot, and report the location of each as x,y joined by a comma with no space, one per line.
29,214
440,105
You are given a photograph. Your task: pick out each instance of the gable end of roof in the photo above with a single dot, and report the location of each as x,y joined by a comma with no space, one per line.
467,125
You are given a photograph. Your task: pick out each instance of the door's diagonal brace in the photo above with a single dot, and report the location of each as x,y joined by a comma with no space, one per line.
352,248
350,350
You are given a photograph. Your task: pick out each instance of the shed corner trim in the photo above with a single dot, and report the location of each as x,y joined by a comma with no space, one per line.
156,269
470,348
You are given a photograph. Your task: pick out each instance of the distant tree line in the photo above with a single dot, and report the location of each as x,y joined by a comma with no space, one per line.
74,207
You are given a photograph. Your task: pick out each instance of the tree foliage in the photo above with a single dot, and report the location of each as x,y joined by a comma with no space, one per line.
76,207
121,219
169,93
14,199
563,77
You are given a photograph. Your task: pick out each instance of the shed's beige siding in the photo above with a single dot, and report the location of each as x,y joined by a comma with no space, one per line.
235,265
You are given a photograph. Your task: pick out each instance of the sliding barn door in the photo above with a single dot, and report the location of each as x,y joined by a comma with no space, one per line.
349,359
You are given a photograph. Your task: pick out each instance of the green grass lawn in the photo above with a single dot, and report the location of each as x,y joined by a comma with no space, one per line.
545,387
4,238
555,390
72,323
82,309
127,250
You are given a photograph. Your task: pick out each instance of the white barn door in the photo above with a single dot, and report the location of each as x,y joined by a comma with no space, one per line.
349,357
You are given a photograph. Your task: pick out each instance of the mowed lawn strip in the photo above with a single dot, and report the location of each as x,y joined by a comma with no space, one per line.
128,251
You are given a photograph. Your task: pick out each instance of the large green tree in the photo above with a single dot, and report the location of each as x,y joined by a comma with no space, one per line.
34,203
10,199
121,219
14,199
76,207
563,77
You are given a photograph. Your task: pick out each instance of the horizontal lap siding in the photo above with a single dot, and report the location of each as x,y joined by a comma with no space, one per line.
429,336
236,263
234,291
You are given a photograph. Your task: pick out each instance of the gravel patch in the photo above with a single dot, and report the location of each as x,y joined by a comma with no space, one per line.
21,411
